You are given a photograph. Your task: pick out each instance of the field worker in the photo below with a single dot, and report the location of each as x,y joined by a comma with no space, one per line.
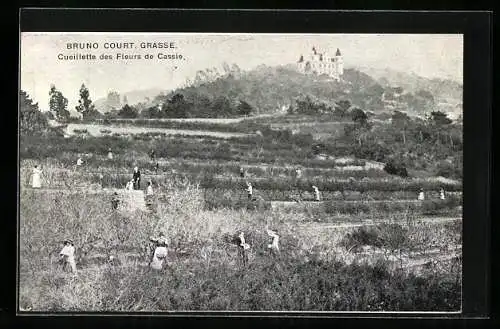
421,195
441,194
79,162
316,193
157,167
36,178
160,253
152,154
110,154
137,178
149,189
115,201
130,185
242,172
273,247
243,247
67,255
249,190
298,173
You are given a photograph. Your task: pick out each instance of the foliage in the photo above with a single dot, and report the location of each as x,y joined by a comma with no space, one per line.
202,271
439,118
85,105
58,104
128,111
244,108
31,119
394,168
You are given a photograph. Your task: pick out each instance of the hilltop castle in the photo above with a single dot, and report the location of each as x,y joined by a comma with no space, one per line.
321,63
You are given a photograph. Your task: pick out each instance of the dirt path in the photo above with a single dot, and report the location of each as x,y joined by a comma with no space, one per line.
95,130
373,222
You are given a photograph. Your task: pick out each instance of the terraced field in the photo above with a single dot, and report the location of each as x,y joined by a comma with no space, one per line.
368,226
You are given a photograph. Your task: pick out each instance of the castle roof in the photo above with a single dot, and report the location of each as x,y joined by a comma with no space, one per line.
338,52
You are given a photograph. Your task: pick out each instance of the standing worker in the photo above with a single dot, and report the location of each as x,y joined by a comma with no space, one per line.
298,173
273,246
249,190
421,196
67,255
441,194
137,178
149,194
36,178
152,155
115,201
242,172
110,154
316,193
242,249
149,189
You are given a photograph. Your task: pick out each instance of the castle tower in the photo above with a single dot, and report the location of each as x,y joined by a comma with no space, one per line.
339,63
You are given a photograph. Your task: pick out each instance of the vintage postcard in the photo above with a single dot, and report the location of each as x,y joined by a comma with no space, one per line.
240,172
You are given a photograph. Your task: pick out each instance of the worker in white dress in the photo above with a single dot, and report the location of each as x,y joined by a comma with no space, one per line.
242,248
149,193
79,162
317,196
36,178
160,254
421,195
110,154
441,194
274,245
249,190
130,185
149,189
67,255
298,173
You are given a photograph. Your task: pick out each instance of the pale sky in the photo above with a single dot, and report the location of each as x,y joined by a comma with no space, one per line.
428,55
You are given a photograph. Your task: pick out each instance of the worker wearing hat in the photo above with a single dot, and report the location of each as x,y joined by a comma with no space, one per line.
67,254
160,254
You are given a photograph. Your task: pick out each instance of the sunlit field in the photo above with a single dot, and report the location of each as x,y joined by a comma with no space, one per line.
368,245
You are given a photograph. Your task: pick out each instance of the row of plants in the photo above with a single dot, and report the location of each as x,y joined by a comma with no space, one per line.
301,195
333,184
343,207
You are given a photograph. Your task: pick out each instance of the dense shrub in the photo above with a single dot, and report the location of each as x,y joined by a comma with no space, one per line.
394,168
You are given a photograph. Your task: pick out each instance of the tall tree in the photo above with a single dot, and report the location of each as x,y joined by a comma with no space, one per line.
401,120
58,104
31,119
85,105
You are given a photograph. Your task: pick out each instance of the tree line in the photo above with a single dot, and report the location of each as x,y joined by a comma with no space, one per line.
177,106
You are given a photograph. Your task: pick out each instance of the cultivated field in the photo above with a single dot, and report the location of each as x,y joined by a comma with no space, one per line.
368,245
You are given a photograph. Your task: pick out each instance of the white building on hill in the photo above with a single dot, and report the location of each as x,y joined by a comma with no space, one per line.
322,63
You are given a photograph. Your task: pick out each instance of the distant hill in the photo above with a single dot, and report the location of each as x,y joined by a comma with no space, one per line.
273,89
268,89
442,89
133,97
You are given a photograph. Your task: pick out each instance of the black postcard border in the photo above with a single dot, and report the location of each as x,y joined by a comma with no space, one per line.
476,27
